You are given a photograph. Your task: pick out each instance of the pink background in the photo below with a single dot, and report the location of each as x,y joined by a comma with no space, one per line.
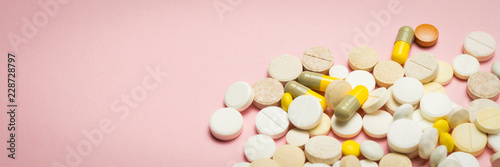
90,53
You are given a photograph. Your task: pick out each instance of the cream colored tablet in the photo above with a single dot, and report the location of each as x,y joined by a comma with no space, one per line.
347,129
411,155
392,105
464,159
317,59
488,120
285,68
272,121
363,58
377,124
226,124
395,160
336,164
323,128
267,92
297,137
427,142
494,142
438,155
420,120
323,149
350,161
336,91
422,66
288,155
480,45
449,163
495,68
435,106
259,146
338,71
372,150
264,162
495,160
445,73
433,87
407,90
376,99
469,139
360,77
464,66
483,85
318,165
242,164
404,135
457,116
305,112
239,96
477,105
404,111
368,163
387,72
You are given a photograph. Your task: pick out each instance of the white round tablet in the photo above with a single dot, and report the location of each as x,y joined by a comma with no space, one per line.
449,163
404,135
372,150
297,137
438,155
435,106
347,129
368,163
376,99
272,121
428,142
259,146
407,90
285,68
464,66
464,159
305,112
361,77
323,149
457,116
404,111
377,124
242,164
420,120
494,141
339,71
239,96
480,45
226,123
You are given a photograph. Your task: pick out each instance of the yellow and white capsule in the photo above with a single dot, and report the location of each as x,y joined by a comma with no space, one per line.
315,81
402,44
351,103
296,89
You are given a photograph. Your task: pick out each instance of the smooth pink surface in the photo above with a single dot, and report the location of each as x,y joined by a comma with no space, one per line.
91,53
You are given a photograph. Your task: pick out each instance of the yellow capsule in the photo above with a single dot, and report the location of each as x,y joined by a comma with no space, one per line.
315,81
286,99
446,140
441,125
296,89
402,44
351,103
350,147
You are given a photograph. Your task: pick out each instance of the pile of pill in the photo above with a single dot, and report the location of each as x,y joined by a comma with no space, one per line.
402,100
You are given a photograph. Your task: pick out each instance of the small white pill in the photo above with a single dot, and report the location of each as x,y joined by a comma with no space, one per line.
464,66
305,112
495,68
494,141
323,149
336,164
242,164
427,142
347,129
435,105
368,163
372,150
361,77
377,124
226,123
438,155
297,137
480,45
420,120
376,99
272,121
239,96
339,71
408,90
404,135
259,146
404,111
464,159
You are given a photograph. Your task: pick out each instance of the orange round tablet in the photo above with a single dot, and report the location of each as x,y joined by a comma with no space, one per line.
426,35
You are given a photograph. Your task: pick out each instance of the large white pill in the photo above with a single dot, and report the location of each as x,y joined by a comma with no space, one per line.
480,45
403,111
339,71
361,77
404,135
372,150
438,155
464,159
297,137
408,90
494,141
420,120
259,146
226,123
272,121
435,105
449,163
323,149
347,129
477,105
427,142
392,105
457,116
239,96
464,66
305,112
377,124
368,163
376,99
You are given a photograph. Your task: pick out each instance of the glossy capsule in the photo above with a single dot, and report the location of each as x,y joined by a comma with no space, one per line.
402,45
296,89
286,99
315,81
351,103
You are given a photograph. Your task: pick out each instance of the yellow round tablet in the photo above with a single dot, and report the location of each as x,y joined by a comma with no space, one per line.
469,139
488,120
350,147
441,125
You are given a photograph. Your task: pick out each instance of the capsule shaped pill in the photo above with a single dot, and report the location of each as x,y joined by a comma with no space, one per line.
351,103
402,44
296,89
315,81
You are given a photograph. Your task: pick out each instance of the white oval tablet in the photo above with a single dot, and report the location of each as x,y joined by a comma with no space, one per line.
242,164
420,120
480,45
404,135
239,96
347,129
372,150
457,116
361,77
465,159
404,111
435,106
427,142
368,163
438,155
305,112
259,146
464,66
226,123
494,141
407,90
272,121
297,137
477,105
376,99
323,149
377,124
339,71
